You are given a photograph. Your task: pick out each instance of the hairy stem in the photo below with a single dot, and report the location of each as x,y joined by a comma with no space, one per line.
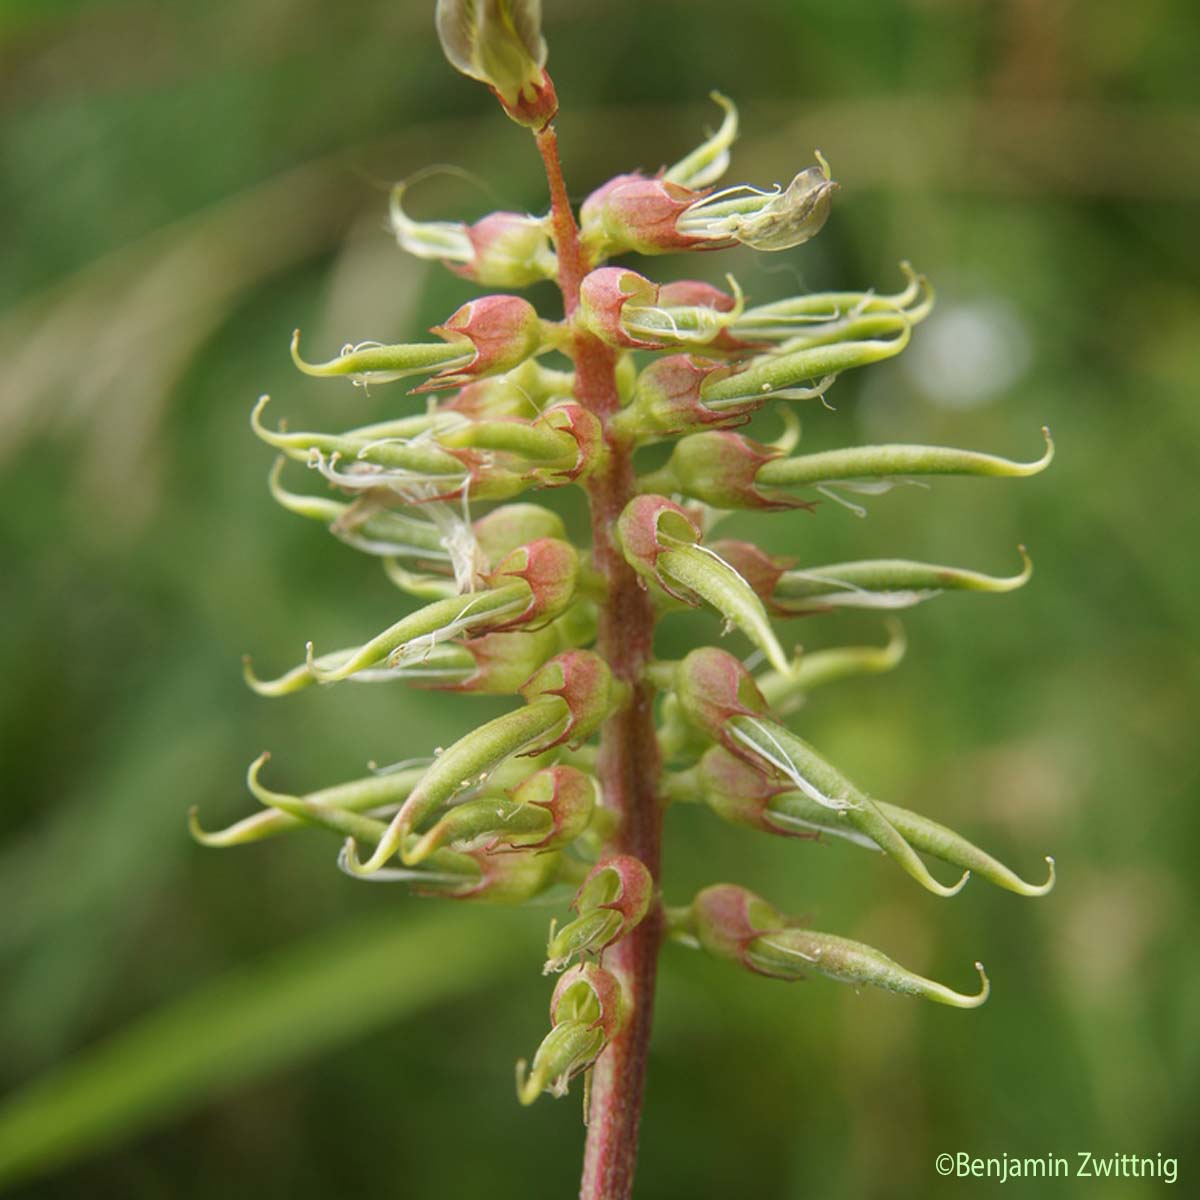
628,765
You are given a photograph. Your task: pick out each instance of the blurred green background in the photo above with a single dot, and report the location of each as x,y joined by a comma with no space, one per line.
181,185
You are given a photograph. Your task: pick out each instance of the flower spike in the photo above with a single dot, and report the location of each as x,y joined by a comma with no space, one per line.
520,809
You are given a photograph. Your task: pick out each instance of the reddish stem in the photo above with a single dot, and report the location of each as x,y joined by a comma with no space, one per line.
571,263
629,763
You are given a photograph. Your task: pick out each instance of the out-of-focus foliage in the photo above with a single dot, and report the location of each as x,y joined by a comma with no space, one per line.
183,184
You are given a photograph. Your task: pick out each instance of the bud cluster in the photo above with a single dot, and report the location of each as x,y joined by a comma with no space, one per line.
522,807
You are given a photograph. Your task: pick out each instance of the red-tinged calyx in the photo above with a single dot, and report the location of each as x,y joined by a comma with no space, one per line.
662,543
667,400
762,571
713,687
509,250
606,1007
504,331
551,569
728,919
509,878
741,794
719,468
502,661
535,107
641,529
580,678
632,213
585,430
567,794
588,1009
612,901
732,923
503,249
603,297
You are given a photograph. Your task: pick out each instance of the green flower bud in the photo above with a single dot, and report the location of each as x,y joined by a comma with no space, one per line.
588,1009
364,525
373,362
735,924
476,754
882,583
777,751
743,795
781,376
661,542
888,463
612,901
406,642
503,249
818,318
375,792
549,809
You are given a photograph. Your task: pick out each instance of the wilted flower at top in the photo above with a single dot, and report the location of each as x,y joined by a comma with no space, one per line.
500,43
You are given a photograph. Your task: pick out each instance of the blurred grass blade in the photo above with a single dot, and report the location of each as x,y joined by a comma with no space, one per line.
302,1001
